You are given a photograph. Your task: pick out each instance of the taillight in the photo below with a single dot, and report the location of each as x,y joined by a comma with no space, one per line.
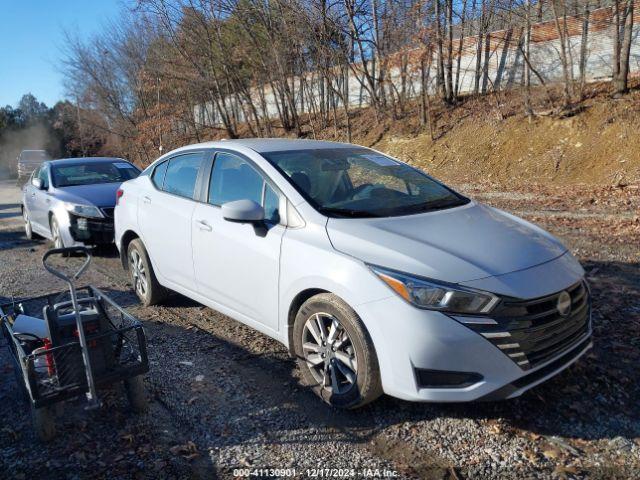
119,195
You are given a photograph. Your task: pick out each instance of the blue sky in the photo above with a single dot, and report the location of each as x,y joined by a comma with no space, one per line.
31,40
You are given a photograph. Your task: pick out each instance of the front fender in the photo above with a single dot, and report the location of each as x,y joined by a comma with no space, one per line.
309,262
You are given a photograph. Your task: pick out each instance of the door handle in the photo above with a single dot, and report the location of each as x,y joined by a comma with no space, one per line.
204,226
147,199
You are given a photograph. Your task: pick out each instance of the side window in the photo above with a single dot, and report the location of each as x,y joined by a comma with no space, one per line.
44,176
182,173
233,178
157,177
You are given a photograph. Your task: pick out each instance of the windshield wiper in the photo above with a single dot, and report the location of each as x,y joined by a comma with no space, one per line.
347,213
438,205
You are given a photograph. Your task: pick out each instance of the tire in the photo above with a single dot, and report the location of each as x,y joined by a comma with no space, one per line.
143,279
56,237
28,231
349,352
44,423
136,393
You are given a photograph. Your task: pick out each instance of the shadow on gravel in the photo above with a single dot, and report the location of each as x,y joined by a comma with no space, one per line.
14,238
7,206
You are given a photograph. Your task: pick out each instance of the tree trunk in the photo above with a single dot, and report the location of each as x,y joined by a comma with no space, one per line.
620,83
563,51
583,48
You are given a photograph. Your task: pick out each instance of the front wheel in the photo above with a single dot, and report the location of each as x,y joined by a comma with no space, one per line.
143,279
28,230
56,236
335,353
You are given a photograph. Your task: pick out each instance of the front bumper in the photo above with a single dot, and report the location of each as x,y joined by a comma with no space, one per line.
84,231
91,231
410,341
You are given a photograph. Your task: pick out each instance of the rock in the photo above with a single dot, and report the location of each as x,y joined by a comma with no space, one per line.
620,443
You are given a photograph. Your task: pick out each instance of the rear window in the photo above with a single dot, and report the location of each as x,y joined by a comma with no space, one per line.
181,175
92,173
157,177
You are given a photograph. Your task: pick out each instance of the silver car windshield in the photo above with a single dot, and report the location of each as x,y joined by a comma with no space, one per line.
359,182
92,173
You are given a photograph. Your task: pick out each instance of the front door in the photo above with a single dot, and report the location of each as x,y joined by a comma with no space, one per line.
41,202
234,266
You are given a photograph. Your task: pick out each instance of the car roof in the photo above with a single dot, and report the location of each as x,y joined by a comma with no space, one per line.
264,145
84,160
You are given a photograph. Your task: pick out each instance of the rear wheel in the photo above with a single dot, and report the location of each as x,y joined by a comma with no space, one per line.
335,353
143,279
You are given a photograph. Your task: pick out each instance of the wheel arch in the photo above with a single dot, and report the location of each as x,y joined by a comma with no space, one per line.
126,239
294,307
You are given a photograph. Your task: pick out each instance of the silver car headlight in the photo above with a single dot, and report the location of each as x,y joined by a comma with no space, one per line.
83,210
433,295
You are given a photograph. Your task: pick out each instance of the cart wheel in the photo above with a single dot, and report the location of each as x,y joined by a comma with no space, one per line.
136,393
44,423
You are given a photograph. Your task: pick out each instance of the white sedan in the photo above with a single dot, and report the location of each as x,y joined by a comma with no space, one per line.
377,277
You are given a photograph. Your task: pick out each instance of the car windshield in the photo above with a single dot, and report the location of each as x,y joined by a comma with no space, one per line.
358,182
91,173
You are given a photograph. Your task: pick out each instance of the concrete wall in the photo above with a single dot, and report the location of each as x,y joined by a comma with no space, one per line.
505,65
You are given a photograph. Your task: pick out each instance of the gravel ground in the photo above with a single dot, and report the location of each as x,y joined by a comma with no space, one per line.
224,396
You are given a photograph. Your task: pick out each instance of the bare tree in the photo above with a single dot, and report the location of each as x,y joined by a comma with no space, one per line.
623,32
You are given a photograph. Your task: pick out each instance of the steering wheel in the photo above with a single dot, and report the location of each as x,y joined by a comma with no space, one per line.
359,189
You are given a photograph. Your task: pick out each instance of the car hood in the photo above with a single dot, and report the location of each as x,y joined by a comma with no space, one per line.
454,245
99,195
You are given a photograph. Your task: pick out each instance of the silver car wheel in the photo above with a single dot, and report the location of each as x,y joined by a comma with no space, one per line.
329,353
27,223
55,233
138,273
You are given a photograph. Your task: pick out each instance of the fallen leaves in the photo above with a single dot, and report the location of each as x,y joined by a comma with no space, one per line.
188,450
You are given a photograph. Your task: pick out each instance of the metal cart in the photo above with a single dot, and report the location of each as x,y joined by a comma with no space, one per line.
83,340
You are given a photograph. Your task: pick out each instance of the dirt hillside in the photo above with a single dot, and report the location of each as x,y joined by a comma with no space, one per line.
492,140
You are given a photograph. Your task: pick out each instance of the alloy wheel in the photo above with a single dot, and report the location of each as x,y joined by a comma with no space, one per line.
55,233
27,223
329,353
138,273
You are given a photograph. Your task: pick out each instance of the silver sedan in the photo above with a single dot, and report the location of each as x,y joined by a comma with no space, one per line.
71,201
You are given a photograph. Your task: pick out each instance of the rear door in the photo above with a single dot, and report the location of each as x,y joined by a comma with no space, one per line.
236,267
165,209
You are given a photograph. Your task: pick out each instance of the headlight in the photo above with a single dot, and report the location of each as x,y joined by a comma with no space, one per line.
432,295
84,210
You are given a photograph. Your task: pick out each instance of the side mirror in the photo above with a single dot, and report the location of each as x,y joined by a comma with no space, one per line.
246,211
36,182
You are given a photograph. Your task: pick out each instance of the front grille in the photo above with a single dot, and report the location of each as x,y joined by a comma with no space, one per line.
97,231
531,332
